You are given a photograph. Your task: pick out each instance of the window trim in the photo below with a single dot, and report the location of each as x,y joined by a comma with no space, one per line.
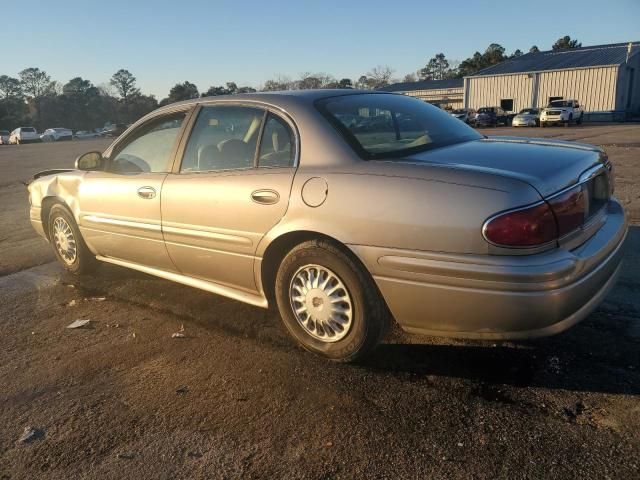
123,140
280,113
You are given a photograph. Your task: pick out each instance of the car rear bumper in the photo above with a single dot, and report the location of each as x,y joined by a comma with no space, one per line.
499,297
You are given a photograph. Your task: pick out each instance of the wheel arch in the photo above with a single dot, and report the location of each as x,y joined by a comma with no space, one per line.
46,206
280,246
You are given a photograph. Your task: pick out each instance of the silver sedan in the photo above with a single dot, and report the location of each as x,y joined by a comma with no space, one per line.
405,214
527,117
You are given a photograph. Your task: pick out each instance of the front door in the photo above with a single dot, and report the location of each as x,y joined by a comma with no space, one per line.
232,187
120,206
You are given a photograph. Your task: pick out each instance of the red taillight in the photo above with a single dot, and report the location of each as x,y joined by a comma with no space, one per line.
569,209
526,227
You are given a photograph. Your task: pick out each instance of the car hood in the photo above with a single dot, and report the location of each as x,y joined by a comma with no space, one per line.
547,165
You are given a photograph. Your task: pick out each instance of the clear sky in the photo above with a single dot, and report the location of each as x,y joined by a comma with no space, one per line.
211,42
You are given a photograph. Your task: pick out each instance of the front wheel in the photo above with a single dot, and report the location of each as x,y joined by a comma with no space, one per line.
68,245
328,302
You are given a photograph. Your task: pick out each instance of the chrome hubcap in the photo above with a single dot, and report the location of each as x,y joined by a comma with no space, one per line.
64,240
321,303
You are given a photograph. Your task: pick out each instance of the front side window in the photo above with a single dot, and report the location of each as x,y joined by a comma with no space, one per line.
277,148
389,125
149,147
223,138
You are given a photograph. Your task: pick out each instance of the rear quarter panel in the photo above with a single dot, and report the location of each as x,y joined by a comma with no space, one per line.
407,206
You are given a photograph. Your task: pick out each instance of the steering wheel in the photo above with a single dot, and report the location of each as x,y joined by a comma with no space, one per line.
127,163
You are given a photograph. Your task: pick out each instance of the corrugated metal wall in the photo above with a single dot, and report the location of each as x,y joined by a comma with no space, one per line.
452,97
488,91
595,88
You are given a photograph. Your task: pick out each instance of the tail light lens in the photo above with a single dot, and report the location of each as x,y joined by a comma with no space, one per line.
527,227
570,209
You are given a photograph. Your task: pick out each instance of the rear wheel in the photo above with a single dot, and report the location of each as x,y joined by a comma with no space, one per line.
328,302
68,245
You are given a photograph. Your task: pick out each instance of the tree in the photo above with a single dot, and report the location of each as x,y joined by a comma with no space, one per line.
492,55
345,83
181,91
280,82
565,43
379,76
517,53
534,49
436,69
79,87
363,82
35,82
410,77
10,87
125,83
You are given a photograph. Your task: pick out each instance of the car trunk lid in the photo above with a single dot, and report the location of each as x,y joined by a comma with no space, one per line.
547,165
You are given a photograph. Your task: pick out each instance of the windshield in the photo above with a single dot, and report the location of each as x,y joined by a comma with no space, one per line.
485,110
459,111
560,103
388,125
27,130
529,111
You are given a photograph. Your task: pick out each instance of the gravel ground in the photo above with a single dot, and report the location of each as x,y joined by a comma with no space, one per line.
121,398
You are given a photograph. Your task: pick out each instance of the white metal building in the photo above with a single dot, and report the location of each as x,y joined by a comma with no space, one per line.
604,78
444,93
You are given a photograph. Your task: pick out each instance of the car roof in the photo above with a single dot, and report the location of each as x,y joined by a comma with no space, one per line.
301,96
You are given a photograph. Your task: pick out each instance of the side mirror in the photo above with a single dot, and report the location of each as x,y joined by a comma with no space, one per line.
90,161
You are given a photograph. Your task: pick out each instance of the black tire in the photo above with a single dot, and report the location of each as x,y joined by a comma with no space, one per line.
369,312
84,261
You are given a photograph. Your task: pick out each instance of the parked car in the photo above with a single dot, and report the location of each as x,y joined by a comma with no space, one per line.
4,137
24,135
491,117
85,134
114,130
272,199
527,117
464,114
562,112
56,135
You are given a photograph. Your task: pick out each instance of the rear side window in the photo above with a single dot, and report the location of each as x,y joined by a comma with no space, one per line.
277,147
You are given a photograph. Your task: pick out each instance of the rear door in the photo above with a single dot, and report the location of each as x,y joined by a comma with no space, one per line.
231,187
120,206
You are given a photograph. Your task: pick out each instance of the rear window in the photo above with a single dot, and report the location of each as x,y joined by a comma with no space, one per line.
529,111
4,132
28,129
388,125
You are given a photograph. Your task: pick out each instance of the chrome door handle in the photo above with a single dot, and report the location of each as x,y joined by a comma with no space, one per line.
265,197
147,192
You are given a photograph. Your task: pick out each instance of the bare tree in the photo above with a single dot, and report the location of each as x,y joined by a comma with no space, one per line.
280,82
410,77
379,76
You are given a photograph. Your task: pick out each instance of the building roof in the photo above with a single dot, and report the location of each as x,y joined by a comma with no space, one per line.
595,56
424,85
